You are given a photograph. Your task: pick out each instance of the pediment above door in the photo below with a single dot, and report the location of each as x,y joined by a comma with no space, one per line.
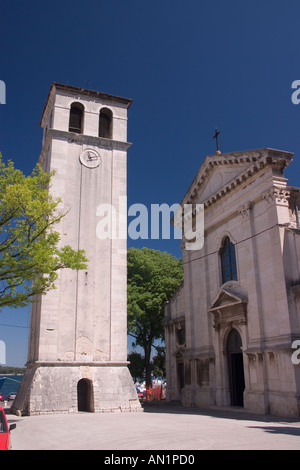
229,307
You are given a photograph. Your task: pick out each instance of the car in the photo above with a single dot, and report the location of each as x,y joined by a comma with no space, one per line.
141,393
2,398
11,396
5,441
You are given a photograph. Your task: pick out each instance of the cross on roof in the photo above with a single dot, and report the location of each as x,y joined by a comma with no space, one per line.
216,137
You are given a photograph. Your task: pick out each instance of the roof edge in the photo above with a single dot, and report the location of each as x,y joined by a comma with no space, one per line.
212,160
87,92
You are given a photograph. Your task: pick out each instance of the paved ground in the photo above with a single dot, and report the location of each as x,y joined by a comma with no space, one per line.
159,427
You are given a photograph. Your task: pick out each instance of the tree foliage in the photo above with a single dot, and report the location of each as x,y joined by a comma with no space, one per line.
153,276
30,252
137,365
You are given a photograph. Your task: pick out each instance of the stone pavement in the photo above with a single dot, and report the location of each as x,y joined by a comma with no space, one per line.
159,427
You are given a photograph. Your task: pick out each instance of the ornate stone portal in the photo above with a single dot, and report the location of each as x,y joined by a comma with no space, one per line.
77,358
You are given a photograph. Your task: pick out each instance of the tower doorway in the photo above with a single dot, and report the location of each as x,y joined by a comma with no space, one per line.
235,368
85,395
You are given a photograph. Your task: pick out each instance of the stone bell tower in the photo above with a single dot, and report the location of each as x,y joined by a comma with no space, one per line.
77,356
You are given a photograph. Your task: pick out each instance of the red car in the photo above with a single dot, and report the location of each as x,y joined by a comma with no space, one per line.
5,442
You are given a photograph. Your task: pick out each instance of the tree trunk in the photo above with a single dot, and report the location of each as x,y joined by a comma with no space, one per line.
148,365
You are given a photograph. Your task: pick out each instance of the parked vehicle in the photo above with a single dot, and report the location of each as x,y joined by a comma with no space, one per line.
11,396
5,441
2,398
141,393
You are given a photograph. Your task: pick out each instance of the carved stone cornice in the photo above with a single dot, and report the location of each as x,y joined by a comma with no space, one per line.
256,160
244,210
88,140
277,195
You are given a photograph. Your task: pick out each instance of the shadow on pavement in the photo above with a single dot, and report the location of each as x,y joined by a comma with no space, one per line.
292,431
237,413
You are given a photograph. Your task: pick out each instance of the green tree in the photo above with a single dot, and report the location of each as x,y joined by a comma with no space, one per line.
153,276
137,365
30,255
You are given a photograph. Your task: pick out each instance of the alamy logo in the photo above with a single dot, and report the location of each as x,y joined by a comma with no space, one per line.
296,354
2,92
188,222
296,94
2,352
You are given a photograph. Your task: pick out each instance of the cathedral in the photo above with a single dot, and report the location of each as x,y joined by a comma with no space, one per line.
230,326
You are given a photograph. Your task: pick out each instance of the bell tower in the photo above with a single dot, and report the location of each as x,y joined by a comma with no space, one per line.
77,354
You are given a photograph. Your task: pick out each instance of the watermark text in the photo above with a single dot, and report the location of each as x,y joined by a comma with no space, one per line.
2,92
296,354
2,353
296,94
188,222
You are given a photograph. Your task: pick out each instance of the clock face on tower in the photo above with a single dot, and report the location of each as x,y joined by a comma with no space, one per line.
90,158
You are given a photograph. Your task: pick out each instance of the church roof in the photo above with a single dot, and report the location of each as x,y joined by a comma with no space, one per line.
244,165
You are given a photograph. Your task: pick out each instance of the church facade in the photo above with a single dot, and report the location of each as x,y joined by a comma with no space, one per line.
230,326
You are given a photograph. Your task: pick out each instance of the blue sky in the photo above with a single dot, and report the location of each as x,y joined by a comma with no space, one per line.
188,66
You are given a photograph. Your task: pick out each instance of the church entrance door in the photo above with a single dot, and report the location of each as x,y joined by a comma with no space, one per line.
85,395
235,368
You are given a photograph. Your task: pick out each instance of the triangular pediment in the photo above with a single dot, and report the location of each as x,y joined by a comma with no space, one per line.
217,179
229,306
220,174
228,297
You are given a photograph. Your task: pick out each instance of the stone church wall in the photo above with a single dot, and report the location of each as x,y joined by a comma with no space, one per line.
247,200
